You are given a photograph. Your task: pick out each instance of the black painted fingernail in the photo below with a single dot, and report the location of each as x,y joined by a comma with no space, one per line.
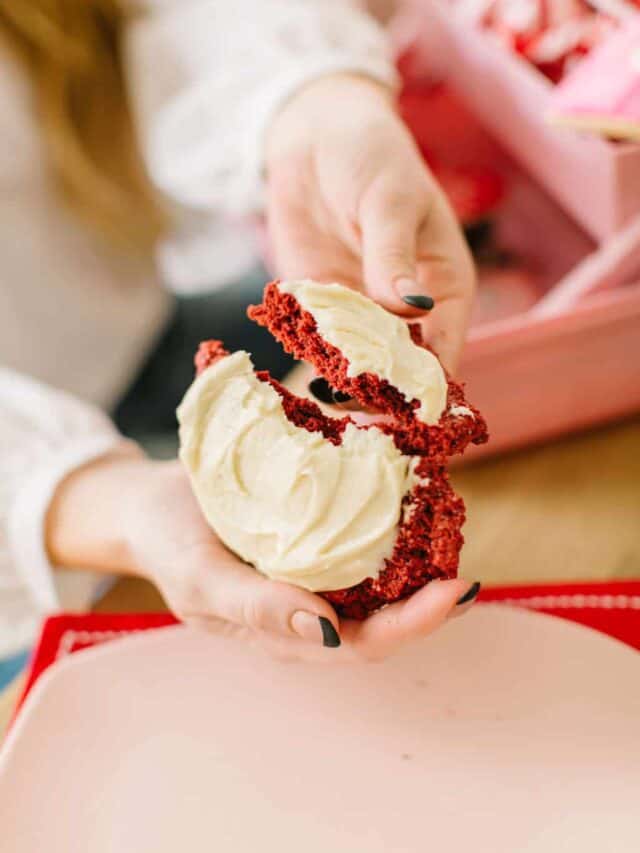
341,397
470,594
330,637
321,390
425,303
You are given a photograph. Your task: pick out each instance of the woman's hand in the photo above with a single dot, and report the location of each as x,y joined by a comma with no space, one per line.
351,200
125,513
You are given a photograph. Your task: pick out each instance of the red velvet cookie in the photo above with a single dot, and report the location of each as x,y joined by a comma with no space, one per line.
429,534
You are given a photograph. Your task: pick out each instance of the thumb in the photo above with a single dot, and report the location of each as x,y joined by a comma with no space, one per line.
234,591
421,614
390,223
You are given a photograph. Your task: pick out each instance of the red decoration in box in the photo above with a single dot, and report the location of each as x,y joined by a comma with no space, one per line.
551,34
456,149
474,193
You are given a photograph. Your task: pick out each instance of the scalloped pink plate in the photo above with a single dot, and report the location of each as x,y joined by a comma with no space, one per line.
507,731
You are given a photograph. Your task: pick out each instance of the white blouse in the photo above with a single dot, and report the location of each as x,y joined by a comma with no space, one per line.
77,319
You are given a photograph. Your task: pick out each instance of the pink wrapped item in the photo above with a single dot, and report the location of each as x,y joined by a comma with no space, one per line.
602,94
553,35
597,182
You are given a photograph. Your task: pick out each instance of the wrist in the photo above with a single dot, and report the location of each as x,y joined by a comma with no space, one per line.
335,100
87,521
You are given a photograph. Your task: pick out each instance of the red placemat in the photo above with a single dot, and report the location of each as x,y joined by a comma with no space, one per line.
612,608
68,633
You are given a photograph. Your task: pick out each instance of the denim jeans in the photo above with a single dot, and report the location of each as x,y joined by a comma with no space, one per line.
10,667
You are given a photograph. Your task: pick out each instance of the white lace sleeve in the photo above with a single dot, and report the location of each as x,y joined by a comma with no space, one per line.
44,434
207,75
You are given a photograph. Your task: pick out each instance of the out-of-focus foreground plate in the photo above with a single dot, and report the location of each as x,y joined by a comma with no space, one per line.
507,731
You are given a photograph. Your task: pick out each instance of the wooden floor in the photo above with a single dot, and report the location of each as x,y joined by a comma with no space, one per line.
568,510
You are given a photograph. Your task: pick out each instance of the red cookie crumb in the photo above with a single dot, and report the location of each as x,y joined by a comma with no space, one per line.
305,413
208,353
428,547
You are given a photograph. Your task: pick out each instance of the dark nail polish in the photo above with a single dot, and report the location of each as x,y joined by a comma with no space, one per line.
341,397
470,594
330,637
321,390
424,303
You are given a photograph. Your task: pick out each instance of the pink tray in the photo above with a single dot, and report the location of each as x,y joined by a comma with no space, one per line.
610,607
506,731
597,182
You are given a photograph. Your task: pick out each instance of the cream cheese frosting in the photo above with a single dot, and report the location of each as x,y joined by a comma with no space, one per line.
461,412
295,506
374,341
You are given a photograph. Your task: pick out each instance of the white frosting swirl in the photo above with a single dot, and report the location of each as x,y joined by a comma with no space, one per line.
297,507
374,341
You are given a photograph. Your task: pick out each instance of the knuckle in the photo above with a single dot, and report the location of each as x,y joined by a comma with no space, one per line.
197,588
395,255
388,201
394,193
254,614
404,201
193,586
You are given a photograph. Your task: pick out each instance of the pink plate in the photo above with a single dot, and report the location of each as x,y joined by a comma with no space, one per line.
508,731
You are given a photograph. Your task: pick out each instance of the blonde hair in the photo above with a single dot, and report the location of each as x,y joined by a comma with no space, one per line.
72,51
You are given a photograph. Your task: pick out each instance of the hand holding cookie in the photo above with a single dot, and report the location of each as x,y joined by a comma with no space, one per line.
351,200
362,516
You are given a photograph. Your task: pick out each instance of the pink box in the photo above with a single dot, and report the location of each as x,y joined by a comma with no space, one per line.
537,378
572,360
597,182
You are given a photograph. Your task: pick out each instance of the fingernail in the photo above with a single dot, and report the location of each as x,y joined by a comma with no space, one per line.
470,594
409,291
306,626
424,303
321,390
341,397
315,629
330,637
